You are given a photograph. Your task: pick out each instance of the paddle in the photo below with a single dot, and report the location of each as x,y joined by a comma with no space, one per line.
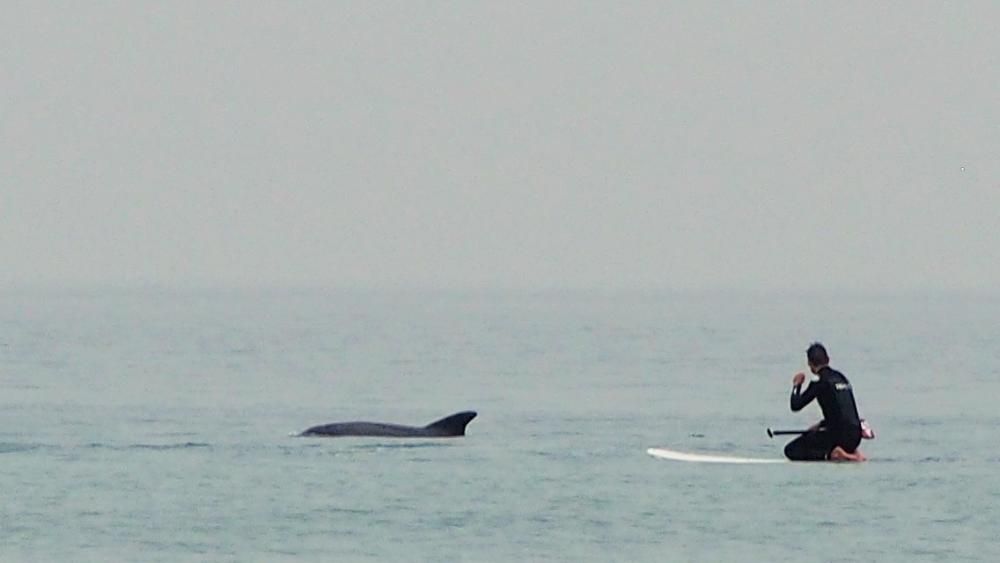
773,433
866,431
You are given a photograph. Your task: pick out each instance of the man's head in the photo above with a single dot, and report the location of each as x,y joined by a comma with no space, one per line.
817,357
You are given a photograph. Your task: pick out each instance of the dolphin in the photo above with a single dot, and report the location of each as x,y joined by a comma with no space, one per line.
447,427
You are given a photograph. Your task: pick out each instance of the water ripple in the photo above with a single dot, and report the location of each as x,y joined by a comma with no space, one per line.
10,447
157,447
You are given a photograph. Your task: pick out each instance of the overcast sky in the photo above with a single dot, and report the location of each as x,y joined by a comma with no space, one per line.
754,145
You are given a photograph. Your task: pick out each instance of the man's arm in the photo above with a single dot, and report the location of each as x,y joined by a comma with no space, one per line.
801,398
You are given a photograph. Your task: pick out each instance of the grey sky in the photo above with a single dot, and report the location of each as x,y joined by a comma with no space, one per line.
541,144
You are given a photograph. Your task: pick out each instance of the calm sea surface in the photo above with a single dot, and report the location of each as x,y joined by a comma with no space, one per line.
155,426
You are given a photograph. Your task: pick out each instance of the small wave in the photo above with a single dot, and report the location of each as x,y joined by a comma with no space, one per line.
394,446
881,459
938,459
182,446
305,446
953,520
177,446
10,448
358,511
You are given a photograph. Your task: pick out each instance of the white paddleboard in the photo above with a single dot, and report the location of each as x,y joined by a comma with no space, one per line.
663,453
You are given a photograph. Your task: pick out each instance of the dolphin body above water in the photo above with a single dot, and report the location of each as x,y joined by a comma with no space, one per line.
447,427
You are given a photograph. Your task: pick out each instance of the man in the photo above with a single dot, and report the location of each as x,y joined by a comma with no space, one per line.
836,437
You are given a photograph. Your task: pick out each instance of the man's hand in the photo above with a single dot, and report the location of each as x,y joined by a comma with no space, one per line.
799,379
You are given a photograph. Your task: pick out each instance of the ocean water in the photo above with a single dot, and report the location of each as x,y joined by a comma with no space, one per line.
155,426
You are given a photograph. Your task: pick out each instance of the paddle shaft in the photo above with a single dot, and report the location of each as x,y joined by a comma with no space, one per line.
773,433
866,432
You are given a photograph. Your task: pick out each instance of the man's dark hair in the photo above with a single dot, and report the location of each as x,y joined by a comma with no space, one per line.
816,354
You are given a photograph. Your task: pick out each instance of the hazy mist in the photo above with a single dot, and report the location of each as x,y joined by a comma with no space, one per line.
844,145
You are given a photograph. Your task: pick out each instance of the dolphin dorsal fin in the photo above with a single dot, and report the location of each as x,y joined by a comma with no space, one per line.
453,425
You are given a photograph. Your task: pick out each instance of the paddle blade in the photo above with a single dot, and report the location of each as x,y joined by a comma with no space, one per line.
867,432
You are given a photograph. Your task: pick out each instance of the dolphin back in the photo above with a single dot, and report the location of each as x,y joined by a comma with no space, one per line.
453,425
448,426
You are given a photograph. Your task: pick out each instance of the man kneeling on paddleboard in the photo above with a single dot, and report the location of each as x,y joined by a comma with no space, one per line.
837,436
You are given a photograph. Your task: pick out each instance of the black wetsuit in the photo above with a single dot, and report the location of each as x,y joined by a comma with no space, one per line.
841,425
